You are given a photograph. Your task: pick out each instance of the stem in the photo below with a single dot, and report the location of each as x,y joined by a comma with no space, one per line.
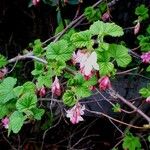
113,92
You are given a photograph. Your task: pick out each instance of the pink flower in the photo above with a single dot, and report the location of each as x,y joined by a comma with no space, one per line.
79,57
87,67
42,92
75,113
35,2
105,16
104,83
145,57
148,100
56,90
137,28
5,122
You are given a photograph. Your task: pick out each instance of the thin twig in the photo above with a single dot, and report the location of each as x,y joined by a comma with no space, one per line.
113,92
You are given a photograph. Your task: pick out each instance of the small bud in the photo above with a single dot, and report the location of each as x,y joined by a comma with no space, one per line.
137,28
5,122
105,16
104,83
3,72
42,92
148,100
35,2
56,90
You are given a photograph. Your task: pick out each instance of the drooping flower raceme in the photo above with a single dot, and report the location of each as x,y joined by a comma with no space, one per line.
87,61
145,57
104,83
56,90
5,122
75,113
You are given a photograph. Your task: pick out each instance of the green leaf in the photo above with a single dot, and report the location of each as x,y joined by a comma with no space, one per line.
18,90
120,54
16,122
37,113
82,91
59,51
92,14
6,89
69,98
44,80
92,81
26,102
39,68
100,28
131,142
116,107
6,109
37,47
148,69
82,39
105,68
103,56
145,92
3,61
142,11
29,87
144,42
58,67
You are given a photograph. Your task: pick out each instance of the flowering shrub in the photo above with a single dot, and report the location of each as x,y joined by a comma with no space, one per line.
69,68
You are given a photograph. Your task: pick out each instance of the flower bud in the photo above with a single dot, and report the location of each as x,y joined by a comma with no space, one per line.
42,92
104,83
137,28
56,90
148,99
5,122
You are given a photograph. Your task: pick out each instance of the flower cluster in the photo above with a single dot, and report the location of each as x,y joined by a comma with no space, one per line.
145,57
75,113
88,62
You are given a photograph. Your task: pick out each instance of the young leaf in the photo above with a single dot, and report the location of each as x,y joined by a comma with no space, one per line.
37,47
3,61
6,89
131,142
59,51
44,80
16,122
142,11
145,92
82,39
120,54
69,98
26,102
100,28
